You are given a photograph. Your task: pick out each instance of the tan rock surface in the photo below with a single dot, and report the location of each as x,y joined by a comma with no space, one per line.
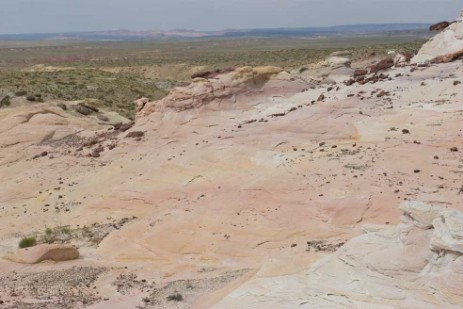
237,175
391,267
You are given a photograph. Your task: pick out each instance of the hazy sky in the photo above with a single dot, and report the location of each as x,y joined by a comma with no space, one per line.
26,16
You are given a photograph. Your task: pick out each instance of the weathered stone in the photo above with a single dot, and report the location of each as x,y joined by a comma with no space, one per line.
448,232
135,134
412,265
39,253
439,26
360,72
419,213
382,65
82,109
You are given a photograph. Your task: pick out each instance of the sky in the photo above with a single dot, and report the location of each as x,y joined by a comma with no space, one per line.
50,16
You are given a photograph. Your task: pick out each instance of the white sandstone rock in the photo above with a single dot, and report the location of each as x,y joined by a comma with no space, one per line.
449,41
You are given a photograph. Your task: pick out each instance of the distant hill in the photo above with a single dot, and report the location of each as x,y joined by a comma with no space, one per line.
327,31
128,35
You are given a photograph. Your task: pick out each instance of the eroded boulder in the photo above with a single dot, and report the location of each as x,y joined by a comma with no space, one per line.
384,64
44,252
439,26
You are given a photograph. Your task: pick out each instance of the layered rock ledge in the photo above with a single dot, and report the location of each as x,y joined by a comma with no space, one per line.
415,264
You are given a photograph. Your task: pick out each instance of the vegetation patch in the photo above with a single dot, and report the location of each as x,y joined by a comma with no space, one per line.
27,242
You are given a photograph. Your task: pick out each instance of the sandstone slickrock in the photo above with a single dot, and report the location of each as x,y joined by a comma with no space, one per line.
226,89
43,252
411,265
246,172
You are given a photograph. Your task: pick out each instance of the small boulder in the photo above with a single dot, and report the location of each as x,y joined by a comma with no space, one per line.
203,74
382,65
135,134
83,109
43,252
439,26
360,72
122,127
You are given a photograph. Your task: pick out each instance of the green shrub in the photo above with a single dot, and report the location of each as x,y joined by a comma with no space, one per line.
175,297
27,242
5,101
49,237
20,93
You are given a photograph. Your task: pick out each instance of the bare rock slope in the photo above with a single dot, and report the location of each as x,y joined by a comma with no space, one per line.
228,191
416,264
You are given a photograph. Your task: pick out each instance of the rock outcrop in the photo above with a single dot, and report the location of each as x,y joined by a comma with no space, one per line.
408,265
448,57
449,41
227,90
339,59
44,252
416,264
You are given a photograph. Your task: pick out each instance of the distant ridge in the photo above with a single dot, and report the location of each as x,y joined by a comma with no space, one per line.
129,35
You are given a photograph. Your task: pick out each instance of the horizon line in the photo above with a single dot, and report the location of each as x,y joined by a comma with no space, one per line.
221,30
